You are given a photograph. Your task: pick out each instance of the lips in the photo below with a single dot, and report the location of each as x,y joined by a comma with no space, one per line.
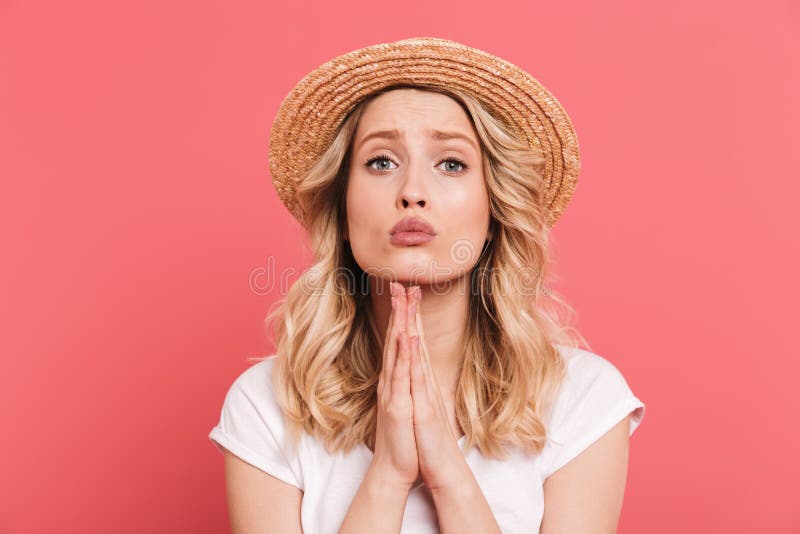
413,224
412,231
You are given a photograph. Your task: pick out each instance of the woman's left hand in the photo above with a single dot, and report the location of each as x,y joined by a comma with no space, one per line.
440,458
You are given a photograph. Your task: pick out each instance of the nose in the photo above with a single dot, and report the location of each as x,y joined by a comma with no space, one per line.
412,192
406,201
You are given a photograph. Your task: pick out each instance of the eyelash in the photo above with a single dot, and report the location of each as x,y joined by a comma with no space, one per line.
449,159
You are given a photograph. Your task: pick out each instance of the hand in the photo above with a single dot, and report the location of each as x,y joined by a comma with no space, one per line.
395,453
440,458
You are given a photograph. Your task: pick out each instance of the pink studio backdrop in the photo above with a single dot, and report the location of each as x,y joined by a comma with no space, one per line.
139,228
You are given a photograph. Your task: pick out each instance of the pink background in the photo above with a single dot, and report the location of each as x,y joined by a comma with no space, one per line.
139,225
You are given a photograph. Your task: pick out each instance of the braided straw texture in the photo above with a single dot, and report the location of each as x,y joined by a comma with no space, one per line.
309,116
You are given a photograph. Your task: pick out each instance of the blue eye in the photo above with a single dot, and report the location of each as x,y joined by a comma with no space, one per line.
382,157
455,161
452,161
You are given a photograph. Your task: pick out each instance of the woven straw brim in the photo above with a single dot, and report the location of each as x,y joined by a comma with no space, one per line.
311,113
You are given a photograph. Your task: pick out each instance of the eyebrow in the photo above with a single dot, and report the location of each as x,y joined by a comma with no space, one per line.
437,135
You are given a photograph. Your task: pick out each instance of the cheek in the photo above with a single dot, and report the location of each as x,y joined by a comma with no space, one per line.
467,221
367,210
468,209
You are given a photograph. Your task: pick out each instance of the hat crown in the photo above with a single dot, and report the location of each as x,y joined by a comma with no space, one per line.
310,114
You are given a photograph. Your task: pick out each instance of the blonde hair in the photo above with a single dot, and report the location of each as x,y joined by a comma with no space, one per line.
328,346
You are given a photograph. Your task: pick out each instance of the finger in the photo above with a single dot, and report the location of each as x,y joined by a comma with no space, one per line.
432,384
418,319
411,317
402,316
390,353
419,390
424,354
401,387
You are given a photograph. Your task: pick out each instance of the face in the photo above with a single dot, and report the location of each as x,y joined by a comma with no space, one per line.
415,154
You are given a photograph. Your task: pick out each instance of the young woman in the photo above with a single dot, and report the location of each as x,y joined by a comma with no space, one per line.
423,381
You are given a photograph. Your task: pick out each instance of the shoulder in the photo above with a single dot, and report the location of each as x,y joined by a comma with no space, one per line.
252,424
585,369
251,396
593,397
258,377
252,392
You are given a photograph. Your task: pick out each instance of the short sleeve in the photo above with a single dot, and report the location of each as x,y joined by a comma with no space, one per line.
594,397
252,425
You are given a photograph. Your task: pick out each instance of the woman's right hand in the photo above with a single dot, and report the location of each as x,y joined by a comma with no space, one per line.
395,455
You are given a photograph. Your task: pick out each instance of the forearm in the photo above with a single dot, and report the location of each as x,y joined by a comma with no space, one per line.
377,507
462,507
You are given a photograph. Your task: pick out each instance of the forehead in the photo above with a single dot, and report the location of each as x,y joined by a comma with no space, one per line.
409,109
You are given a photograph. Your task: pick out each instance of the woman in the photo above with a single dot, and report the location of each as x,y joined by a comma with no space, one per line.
422,380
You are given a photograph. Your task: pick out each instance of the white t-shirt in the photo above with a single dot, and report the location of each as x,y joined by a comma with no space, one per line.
594,397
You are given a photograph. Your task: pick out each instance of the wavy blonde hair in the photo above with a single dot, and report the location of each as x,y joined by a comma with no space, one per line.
329,348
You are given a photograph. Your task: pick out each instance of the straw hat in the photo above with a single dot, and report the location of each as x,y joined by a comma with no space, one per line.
309,116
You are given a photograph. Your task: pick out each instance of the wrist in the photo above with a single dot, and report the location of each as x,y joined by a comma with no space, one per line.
384,480
454,492
460,485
